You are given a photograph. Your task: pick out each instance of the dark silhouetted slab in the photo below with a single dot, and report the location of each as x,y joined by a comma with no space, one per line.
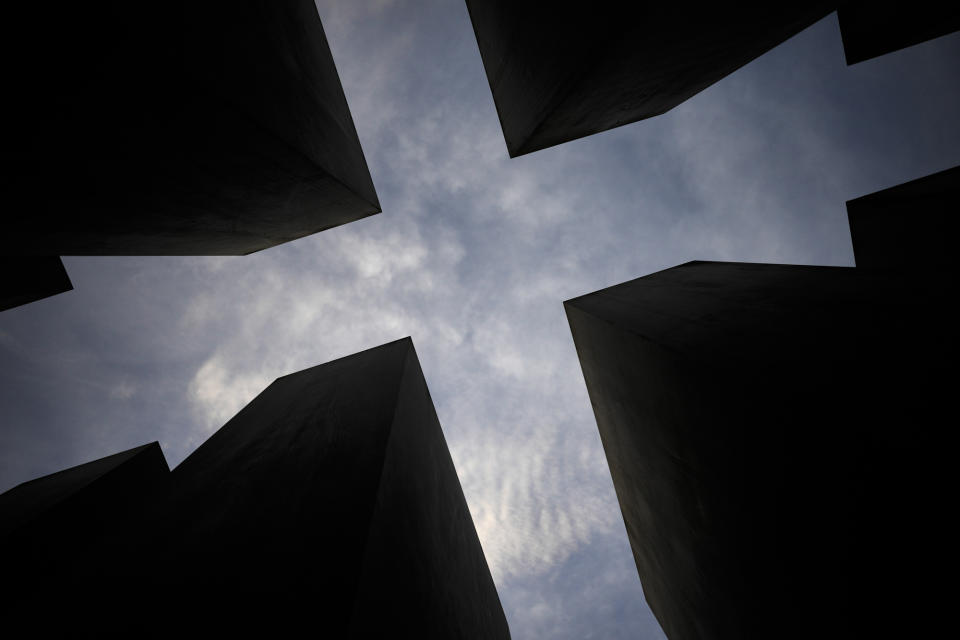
327,506
179,128
335,488
564,70
47,524
774,434
871,29
31,278
909,226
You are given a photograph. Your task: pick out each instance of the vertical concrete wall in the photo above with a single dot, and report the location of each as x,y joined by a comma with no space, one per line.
187,128
909,226
772,433
328,506
422,542
49,524
871,29
25,279
569,70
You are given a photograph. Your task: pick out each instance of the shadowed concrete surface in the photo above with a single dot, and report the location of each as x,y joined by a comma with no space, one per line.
26,279
909,226
772,432
329,504
561,71
46,523
871,29
210,128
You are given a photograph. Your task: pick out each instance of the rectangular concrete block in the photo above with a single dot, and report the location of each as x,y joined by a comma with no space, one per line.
187,128
565,70
775,439
25,279
47,524
909,226
329,506
336,488
871,29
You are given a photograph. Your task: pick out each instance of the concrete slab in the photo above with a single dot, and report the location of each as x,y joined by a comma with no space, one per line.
211,128
46,523
328,504
25,279
566,70
871,29
775,438
909,226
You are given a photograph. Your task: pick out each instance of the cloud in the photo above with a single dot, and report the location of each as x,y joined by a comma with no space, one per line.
124,390
219,392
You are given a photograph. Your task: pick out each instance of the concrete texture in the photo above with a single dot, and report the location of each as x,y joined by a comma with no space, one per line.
176,129
909,226
562,71
775,437
871,29
30,278
329,505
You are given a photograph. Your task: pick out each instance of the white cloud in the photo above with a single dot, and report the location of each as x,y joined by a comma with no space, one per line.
220,392
123,390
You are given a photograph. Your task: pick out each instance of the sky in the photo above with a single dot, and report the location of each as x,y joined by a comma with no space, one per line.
472,257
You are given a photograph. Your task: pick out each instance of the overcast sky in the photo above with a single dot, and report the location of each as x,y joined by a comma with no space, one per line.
473,256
